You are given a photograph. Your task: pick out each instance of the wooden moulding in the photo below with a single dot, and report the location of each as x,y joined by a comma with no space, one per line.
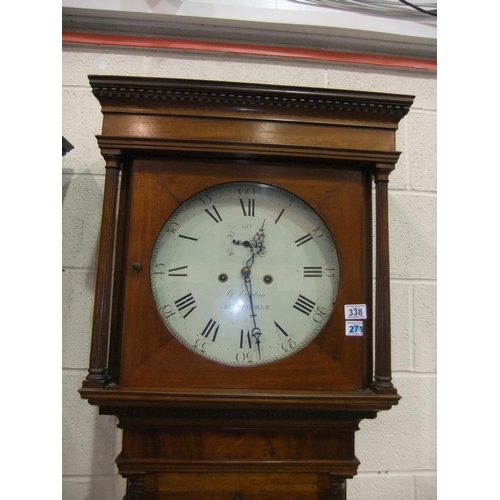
250,120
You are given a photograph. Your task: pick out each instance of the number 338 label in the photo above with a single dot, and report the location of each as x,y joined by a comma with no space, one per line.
355,311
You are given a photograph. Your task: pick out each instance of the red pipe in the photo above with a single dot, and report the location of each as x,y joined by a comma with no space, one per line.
246,49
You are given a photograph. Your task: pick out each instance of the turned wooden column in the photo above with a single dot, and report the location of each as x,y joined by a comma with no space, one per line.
383,373
98,366
135,488
332,487
339,491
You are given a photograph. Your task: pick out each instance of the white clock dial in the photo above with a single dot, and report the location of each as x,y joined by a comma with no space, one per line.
245,273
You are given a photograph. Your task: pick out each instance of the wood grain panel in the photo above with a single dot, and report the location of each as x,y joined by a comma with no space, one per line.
150,357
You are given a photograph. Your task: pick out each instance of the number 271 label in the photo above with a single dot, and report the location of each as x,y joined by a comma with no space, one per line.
355,311
354,328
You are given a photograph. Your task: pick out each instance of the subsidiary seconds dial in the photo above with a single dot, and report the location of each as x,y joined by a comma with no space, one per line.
245,273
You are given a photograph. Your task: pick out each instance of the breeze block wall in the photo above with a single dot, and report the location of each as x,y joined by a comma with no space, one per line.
398,449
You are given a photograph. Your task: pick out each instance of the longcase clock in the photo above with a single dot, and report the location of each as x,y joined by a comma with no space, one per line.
234,335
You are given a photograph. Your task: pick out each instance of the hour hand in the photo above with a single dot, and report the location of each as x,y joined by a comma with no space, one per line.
256,333
244,243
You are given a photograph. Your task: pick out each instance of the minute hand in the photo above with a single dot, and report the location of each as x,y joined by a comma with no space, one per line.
256,247
256,333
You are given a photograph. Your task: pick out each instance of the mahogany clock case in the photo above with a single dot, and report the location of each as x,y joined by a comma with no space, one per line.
194,428
151,357
165,140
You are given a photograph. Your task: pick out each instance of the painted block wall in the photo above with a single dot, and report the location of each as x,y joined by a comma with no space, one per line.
398,449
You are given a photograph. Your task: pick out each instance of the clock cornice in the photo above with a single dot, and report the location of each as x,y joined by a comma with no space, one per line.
248,121
249,95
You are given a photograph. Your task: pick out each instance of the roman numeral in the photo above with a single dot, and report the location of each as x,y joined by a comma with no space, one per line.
304,305
209,330
187,237
303,239
245,339
173,271
281,329
184,303
215,216
250,211
313,272
279,216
